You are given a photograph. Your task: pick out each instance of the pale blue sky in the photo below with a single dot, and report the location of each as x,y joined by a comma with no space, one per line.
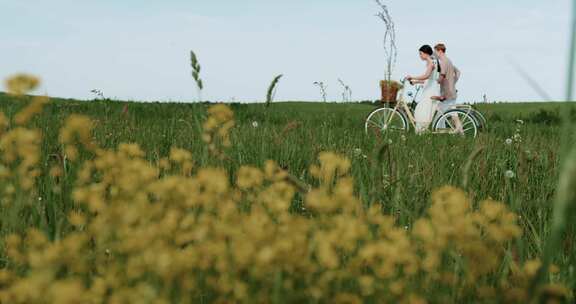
140,49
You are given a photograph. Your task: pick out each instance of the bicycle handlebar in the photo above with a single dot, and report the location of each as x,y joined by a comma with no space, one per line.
404,80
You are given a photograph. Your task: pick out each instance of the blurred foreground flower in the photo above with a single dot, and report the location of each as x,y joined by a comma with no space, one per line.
138,233
217,129
21,84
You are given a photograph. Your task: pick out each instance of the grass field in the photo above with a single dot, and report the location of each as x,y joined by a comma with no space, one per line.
398,174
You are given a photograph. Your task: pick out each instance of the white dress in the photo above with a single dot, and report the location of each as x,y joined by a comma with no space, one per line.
426,107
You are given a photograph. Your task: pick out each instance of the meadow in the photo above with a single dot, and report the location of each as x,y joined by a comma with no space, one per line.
373,221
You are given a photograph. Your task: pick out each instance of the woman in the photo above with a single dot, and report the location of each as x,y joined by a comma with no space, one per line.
427,104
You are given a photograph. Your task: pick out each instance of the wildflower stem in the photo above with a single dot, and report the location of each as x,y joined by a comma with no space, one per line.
300,185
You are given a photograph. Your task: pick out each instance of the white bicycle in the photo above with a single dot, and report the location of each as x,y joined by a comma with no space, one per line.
461,119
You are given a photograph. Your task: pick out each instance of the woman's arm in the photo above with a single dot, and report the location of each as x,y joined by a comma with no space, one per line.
429,70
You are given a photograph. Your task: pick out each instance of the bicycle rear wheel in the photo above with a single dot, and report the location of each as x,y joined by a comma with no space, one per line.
457,121
482,122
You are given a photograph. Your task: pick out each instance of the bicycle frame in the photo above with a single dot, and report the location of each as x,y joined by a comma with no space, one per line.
404,107
401,104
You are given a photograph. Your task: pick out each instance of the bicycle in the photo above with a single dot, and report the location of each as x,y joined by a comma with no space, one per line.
461,119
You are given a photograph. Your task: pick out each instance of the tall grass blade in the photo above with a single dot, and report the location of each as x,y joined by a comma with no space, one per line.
566,194
468,166
531,82
563,206
196,68
571,57
272,89
568,132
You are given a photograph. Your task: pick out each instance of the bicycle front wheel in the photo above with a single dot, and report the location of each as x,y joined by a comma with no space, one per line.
384,120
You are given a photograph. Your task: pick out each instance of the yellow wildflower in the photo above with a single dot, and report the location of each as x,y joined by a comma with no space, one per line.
76,128
4,122
21,84
217,129
34,108
249,177
331,166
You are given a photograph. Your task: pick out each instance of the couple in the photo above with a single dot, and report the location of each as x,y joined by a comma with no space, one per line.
439,85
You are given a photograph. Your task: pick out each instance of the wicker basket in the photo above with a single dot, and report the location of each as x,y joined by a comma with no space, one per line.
389,90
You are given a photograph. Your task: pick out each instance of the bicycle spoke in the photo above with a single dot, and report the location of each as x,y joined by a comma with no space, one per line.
460,122
385,120
375,123
449,124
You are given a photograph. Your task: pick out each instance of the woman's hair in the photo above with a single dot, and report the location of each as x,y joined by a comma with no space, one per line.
426,49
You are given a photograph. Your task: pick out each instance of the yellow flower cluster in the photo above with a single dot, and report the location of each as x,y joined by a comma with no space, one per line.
34,108
4,123
140,233
479,236
20,146
77,129
182,158
217,129
20,152
22,84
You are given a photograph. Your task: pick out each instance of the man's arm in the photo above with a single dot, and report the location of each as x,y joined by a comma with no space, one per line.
443,69
456,74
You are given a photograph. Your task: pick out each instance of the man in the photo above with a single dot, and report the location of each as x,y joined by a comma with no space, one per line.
449,75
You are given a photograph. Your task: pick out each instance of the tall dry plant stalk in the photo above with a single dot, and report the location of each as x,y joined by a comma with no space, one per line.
272,90
390,49
347,94
99,94
196,68
322,88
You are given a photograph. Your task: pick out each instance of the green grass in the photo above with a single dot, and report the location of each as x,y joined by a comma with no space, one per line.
293,133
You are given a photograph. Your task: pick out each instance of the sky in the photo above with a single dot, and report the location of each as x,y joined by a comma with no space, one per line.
140,49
